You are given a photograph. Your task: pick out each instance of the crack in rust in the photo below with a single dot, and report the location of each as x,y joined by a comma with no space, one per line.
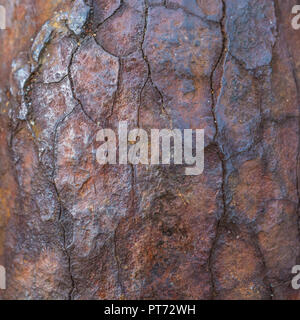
108,18
220,224
65,249
149,76
297,84
72,84
116,93
266,279
26,91
53,82
61,208
118,262
221,156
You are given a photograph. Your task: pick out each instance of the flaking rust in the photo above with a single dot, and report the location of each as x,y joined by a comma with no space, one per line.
73,229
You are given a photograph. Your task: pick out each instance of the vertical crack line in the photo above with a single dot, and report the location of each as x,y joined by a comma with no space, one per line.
263,261
140,103
297,84
222,56
221,220
298,169
57,125
118,262
267,281
131,211
73,87
61,208
298,151
149,76
28,102
145,58
26,90
109,17
256,243
65,250
132,191
73,286
116,94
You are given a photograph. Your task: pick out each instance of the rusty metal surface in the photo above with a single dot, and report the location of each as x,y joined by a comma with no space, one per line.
71,229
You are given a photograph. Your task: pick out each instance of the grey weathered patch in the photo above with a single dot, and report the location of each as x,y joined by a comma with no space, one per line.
251,26
78,16
74,20
41,40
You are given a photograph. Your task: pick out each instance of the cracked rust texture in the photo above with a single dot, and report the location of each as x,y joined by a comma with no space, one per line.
71,229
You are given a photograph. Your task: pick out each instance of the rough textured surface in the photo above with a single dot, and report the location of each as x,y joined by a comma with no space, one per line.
72,229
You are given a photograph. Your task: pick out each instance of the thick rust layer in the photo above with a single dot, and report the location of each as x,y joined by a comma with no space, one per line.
72,229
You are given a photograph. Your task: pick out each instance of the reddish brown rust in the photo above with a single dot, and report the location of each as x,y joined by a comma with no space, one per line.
72,229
